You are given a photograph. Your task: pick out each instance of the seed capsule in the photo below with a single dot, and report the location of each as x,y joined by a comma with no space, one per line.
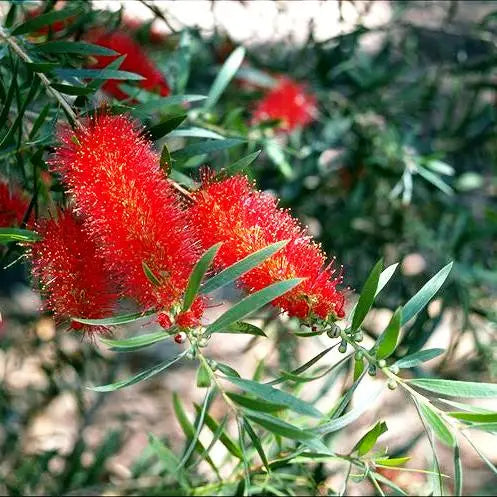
382,363
343,347
359,355
394,369
392,384
334,332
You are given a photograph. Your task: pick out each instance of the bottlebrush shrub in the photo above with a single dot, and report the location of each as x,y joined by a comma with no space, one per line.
127,234
71,271
113,174
13,205
245,220
136,61
289,102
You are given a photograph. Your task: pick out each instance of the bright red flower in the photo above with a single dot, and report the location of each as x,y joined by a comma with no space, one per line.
191,318
72,274
136,61
289,102
13,206
245,220
118,185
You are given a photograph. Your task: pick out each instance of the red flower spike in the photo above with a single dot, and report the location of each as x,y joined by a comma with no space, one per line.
136,61
290,103
191,318
245,220
74,279
13,206
164,320
115,179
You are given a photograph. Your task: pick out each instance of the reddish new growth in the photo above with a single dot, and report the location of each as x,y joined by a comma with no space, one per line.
289,102
71,272
245,220
136,61
116,181
13,206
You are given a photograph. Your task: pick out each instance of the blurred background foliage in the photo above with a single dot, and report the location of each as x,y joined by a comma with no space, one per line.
400,163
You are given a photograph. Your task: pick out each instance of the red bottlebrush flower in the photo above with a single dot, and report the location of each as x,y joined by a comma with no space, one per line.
115,178
67,264
289,102
191,318
136,61
164,320
245,220
13,206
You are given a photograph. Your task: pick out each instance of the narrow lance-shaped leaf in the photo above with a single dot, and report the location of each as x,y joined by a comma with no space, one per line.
255,404
454,388
458,475
252,303
114,320
73,47
242,163
368,441
198,274
440,428
225,75
102,74
163,128
243,328
150,275
279,427
412,360
276,396
38,22
205,147
241,267
367,296
135,343
419,301
257,443
225,439
385,277
8,235
144,375
387,341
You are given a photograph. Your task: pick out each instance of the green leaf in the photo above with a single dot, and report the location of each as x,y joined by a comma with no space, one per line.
475,417
203,377
42,20
197,275
225,439
161,104
144,375
279,427
242,163
252,303
227,370
205,147
195,132
458,475
39,121
257,443
420,299
240,327
159,130
273,395
198,428
114,320
366,298
101,74
8,235
225,75
453,388
72,90
359,366
150,275
189,430
135,343
73,47
435,180
275,153
165,160
354,414
241,267
368,441
385,277
255,404
168,460
412,360
387,341
391,461
440,428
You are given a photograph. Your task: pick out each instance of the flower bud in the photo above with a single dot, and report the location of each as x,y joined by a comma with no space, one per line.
392,384
343,347
372,370
180,337
394,369
382,363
